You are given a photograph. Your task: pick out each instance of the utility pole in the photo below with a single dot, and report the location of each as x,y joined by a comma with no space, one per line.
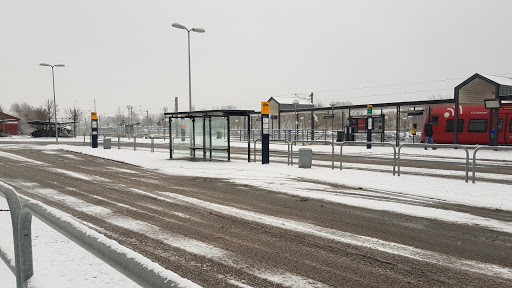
312,119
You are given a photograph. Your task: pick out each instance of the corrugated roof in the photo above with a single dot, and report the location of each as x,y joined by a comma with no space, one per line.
499,79
6,117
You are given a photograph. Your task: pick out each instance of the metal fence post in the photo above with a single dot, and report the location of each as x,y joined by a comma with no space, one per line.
485,148
108,251
14,207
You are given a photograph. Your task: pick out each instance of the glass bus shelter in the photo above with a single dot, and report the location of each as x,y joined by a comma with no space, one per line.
204,134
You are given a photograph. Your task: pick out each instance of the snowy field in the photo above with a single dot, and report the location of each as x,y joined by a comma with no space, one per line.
75,263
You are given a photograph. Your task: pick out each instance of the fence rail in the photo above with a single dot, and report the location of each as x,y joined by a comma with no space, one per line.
485,148
131,264
364,144
455,146
284,141
316,141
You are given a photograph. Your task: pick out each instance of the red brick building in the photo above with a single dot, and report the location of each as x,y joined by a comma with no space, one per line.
9,124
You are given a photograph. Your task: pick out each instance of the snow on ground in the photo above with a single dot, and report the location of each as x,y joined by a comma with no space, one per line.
409,194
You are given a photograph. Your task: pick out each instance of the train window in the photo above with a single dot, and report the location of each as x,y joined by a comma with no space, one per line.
477,125
450,124
435,120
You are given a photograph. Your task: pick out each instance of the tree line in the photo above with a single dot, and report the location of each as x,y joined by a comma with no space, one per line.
44,112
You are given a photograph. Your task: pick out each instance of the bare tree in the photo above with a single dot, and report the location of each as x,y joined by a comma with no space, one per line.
228,107
440,96
48,109
119,117
38,114
341,103
27,112
23,110
74,114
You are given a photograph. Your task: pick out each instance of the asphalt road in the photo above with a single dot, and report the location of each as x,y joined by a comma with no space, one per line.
211,231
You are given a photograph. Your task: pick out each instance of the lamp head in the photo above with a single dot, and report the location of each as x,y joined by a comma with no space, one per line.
60,65
45,64
198,30
179,26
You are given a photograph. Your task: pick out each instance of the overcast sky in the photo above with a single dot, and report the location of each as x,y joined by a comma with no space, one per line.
126,52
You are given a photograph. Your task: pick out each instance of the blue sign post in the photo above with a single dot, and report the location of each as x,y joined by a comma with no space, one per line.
265,137
94,130
369,126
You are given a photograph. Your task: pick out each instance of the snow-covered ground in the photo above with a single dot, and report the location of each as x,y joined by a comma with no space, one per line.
276,177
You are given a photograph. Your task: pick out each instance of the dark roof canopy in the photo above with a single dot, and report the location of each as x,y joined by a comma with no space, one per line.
218,113
403,104
38,122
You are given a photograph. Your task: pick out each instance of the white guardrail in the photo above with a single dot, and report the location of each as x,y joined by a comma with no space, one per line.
131,264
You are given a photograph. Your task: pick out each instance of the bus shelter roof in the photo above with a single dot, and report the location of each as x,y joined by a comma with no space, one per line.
214,113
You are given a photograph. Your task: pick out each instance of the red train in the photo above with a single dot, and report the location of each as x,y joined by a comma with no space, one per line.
473,125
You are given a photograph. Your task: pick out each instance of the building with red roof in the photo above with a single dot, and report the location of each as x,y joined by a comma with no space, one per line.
9,124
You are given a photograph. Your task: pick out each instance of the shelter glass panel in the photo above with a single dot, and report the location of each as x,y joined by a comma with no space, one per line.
182,139
219,137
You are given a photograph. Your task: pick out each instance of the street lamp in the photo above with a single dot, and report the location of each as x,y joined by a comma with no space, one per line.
198,30
332,117
130,108
295,103
54,103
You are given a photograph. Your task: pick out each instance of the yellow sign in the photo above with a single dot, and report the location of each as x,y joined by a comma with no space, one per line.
413,132
264,108
94,116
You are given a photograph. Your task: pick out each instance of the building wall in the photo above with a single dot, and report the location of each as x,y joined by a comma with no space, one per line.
10,127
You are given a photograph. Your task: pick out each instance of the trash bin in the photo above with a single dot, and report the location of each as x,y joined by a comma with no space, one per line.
305,157
340,136
107,143
219,135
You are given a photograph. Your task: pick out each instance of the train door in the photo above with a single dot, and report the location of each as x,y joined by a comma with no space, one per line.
501,129
508,130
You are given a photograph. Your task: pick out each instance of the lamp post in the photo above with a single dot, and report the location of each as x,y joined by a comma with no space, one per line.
295,103
332,119
198,30
130,108
54,102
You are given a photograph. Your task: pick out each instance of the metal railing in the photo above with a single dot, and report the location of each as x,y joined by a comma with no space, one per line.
364,144
285,141
130,264
316,141
153,141
135,140
485,148
455,146
14,208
